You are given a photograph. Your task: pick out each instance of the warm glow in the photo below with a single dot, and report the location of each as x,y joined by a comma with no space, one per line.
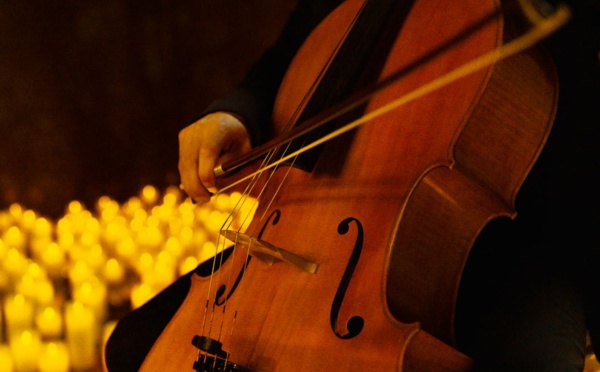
54,358
149,195
49,322
61,278
189,264
28,219
42,227
74,207
13,237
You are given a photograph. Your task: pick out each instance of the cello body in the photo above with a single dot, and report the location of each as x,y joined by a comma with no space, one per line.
388,212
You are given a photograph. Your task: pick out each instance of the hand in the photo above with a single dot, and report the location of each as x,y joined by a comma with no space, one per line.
212,140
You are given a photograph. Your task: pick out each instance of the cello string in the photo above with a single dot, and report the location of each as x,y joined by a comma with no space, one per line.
245,195
542,29
300,107
219,247
212,279
315,83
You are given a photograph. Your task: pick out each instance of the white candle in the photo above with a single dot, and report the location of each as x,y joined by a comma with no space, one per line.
25,349
82,335
54,358
79,273
149,195
174,247
113,272
3,249
14,264
53,258
6,362
92,294
13,237
162,275
27,286
95,257
42,228
44,293
19,314
4,281
126,248
49,322
189,264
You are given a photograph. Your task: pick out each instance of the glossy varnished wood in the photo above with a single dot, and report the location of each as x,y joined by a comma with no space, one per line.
389,212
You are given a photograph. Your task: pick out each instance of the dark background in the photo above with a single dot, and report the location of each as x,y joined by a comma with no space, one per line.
93,93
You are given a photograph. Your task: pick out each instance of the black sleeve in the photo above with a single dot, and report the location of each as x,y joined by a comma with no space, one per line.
254,97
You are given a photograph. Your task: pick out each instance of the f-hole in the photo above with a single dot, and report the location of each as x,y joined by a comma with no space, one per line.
356,323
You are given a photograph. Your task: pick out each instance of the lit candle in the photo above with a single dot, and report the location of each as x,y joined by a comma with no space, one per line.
164,213
38,246
131,206
6,362
49,322
187,238
27,286
44,292
216,220
28,220
13,237
162,275
81,335
150,238
53,258
174,247
187,213
64,227
42,228
16,211
14,264
126,248
145,263
95,257
25,349
113,272
4,281
92,294
149,195
209,249
3,249
79,273
18,311
54,358
34,284
189,264
222,203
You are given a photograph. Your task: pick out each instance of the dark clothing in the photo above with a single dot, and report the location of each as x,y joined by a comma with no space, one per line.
528,292
253,99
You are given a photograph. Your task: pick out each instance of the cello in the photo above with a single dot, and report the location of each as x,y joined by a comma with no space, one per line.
354,257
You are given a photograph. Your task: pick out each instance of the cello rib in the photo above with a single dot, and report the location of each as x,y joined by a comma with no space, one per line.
450,206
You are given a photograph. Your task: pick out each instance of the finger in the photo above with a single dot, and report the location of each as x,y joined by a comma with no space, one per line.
188,164
209,153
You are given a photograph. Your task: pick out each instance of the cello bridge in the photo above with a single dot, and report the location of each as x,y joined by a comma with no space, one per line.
267,252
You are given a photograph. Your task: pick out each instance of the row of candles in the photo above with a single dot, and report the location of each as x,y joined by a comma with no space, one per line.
64,284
